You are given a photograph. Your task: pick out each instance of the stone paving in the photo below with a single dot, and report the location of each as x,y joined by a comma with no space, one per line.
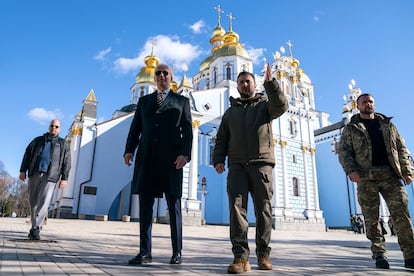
86,247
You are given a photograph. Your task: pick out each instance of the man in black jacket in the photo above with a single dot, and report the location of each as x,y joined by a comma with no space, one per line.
46,161
161,134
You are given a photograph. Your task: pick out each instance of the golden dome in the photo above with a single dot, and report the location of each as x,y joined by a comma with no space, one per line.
231,37
346,109
354,105
231,45
219,31
217,39
302,77
231,50
146,74
173,86
205,64
294,62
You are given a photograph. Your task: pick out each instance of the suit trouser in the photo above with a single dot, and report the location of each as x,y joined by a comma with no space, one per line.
40,195
385,182
146,203
256,179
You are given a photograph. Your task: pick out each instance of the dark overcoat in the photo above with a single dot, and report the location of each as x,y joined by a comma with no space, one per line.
160,134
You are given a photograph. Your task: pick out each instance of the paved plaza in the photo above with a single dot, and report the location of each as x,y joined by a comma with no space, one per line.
86,247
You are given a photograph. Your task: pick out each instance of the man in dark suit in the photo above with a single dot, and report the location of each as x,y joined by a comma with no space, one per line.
162,132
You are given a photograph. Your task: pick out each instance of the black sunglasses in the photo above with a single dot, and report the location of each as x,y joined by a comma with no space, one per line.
165,73
52,126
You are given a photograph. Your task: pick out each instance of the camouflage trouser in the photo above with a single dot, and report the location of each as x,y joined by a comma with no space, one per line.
386,182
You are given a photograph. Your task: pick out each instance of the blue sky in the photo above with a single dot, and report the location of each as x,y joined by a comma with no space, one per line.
52,53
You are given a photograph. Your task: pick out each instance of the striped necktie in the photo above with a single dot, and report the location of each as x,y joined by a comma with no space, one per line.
160,97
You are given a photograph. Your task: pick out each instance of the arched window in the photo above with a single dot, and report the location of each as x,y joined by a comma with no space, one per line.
295,184
212,145
214,77
228,71
293,127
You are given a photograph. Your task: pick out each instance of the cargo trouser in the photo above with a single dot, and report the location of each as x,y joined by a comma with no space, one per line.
383,180
256,179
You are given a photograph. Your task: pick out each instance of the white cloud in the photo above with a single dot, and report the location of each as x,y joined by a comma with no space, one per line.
198,26
43,116
169,50
256,54
124,65
101,55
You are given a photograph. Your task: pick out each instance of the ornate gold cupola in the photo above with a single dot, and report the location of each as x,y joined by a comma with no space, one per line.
231,45
218,32
146,74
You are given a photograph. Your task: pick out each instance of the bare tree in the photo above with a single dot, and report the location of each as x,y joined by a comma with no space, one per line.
22,201
12,194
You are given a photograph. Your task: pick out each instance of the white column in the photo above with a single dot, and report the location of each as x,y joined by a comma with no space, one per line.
307,188
318,212
192,202
276,204
287,211
310,210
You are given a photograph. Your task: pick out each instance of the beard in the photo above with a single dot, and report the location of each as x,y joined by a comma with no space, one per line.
246,94
367,111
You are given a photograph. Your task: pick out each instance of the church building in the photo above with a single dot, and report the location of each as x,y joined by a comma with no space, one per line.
100,183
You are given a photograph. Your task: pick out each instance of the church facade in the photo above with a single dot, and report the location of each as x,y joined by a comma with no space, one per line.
99,183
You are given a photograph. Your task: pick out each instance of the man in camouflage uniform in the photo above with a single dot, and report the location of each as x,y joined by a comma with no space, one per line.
373,154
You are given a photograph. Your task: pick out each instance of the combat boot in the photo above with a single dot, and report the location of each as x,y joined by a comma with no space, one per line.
238,266
264,263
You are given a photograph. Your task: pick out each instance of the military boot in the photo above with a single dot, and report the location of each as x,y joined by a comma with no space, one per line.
238,266
264,263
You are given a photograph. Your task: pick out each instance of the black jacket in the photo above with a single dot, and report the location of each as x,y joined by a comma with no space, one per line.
245,133
160,134
60,158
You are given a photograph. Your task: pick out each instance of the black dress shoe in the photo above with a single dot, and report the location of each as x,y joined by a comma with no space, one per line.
140,259
34,234
409,263
176,259
381,262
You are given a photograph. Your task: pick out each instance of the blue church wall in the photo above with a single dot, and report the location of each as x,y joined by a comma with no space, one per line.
333,188
121,204
110,145
217,204
410,191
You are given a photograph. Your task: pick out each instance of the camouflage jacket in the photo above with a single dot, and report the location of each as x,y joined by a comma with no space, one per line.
355,150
